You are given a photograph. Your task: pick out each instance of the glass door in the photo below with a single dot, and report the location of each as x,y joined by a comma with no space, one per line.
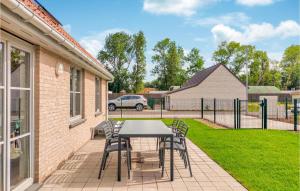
19,68
15,114
2,117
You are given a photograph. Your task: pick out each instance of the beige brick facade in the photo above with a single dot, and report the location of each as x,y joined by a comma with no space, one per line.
54,140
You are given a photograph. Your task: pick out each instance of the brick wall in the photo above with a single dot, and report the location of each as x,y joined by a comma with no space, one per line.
54,140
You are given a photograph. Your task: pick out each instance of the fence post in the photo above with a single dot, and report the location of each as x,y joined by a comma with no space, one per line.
161,105
234,113
262,103
239,112
214,110
202,102
121,108
295,115
266,114
286,107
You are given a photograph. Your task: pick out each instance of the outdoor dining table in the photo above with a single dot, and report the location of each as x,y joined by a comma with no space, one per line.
145,128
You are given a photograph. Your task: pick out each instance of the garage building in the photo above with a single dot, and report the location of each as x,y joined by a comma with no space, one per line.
216,81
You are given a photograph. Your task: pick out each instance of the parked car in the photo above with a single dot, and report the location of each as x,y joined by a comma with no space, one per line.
138,102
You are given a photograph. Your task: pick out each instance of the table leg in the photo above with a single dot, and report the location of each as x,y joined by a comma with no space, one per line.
171,160
119,159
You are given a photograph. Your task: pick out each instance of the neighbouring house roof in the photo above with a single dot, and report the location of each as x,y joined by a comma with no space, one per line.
147,90
158,92
199,77
263,90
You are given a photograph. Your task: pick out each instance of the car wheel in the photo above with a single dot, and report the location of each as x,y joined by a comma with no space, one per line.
111,107
139,107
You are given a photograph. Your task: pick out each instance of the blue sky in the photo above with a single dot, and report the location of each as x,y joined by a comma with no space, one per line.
270,25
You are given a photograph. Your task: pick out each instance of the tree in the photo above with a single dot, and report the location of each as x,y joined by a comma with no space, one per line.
116,56
291,67
139,69
234,55
259,69
119,52
195,62
168,58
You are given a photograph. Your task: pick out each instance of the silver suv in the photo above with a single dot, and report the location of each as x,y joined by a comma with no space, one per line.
138,102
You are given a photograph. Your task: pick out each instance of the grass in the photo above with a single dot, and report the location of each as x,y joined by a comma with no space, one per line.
259,159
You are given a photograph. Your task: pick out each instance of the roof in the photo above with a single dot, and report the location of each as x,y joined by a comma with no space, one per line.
263,90
200,76
48,18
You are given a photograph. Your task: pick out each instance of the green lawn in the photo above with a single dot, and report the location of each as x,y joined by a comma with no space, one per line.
260,160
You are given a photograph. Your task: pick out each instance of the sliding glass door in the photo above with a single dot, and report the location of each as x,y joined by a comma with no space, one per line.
2,117
16,115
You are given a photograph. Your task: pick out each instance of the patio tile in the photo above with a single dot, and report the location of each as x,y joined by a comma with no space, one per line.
80,172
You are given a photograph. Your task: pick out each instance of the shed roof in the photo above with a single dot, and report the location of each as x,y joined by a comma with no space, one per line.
263,90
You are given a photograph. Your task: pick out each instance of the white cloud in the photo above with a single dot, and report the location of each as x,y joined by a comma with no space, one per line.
67,28
255,2
176,7
95,42
234,18
256,32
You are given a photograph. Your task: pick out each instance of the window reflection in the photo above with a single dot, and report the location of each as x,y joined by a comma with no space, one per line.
19,112
1,63
19,161
20,68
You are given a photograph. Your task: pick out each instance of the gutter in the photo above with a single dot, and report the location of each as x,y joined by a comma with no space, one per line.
30,17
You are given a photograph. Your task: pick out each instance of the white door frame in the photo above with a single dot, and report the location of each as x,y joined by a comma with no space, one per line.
12,41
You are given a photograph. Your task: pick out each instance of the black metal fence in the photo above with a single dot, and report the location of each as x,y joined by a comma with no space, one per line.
236,113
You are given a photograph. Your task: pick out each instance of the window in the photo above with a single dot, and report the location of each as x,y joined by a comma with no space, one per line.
97,95
75,93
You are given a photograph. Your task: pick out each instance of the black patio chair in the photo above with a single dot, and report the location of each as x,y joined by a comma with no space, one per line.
111,145
179,144
173,126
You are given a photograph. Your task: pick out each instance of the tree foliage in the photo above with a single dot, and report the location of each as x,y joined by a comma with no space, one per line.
291,67
237,57
139,69
120,50
168,58
194,61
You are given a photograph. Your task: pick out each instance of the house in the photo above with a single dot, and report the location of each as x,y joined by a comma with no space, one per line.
255,92
216,81
52,91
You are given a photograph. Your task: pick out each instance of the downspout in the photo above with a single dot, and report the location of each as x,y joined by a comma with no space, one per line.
18,8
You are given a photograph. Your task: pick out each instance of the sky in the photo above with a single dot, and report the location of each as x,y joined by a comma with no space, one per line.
270,25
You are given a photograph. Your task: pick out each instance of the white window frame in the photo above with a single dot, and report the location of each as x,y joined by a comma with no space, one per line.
13,41
74,117
98,95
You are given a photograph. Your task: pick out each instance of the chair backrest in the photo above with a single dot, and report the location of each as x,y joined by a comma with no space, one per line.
108,130
182,129
175,123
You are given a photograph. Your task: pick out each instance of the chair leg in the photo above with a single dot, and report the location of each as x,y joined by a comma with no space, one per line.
184,159
101,166
163,162
157,143
128,162
160,152
188,160
106,157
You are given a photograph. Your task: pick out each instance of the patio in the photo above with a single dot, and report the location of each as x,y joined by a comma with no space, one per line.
81,170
